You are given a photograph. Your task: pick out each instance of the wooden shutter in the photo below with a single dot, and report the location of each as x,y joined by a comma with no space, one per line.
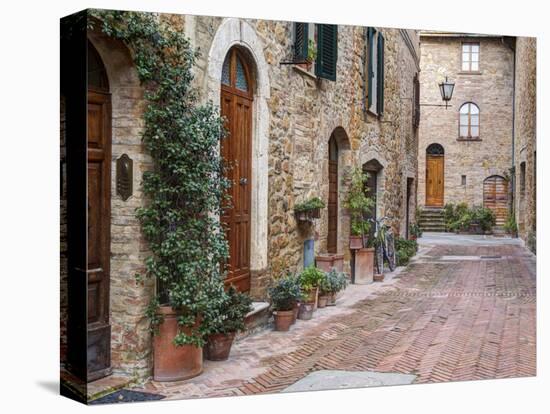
380,75
370,71
301,37
327,51
416,103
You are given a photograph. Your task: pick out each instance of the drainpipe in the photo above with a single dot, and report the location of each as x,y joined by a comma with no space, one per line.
513,168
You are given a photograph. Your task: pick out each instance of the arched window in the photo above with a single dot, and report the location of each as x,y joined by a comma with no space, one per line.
435,149
469,121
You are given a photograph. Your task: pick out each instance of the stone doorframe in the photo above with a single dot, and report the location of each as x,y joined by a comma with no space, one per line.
365,157
236,32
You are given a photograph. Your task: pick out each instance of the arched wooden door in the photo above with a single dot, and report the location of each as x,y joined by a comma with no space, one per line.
435,175
99,217
332,237
236,149
495,197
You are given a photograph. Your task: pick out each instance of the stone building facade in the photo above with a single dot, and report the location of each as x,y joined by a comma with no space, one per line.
473,135
525,140
295,117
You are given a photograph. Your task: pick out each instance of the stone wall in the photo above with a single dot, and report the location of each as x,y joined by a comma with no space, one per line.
303,113
525,144
297,113
491,88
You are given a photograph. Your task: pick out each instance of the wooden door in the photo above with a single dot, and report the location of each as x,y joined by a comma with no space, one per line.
434,180
332,237
236,149
99,235
495,197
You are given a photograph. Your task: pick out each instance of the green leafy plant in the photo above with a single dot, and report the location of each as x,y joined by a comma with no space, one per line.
510,226
229,314
311,50
358,203
187,186
285,293
310,204
336,281
415,231
460,217
404,250
310,278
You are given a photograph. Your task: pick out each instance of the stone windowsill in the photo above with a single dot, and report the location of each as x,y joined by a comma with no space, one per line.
468,139
470,72
301,70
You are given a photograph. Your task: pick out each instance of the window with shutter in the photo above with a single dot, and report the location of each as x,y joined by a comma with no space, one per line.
327,51
380,75
301,36
370,67
416,102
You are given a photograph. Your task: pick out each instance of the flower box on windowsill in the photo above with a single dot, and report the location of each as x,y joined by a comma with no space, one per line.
308,215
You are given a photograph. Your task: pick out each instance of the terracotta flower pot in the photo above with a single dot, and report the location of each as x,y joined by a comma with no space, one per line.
332,299
355,242
306,311
218,346
283,320
171,362
323,300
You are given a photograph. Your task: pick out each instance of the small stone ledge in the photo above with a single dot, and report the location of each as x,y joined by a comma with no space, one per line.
255,320
304,72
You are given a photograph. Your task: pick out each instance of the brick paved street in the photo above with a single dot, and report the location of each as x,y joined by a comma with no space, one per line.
464,309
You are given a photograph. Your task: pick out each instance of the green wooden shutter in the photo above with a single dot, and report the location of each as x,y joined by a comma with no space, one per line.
380,75
301,36
370,72
327,51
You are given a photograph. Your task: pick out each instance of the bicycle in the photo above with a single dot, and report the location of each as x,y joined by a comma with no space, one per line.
384,245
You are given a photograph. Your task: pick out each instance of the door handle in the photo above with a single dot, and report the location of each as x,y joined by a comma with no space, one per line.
243,181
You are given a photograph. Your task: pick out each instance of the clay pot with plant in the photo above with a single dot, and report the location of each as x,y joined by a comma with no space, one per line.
309,279
284,295
325,291
359,205
336,282
226,321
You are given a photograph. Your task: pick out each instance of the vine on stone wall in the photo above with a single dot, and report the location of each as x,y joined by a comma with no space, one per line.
187,186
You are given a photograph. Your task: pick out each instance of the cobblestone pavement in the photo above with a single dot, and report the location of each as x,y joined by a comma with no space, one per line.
457,312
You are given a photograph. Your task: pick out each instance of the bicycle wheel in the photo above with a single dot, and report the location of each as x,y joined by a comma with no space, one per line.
379,259
390,252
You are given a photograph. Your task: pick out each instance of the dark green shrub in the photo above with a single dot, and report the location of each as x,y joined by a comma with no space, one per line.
336,281
404,250
311,204
285,293
511,227
230,313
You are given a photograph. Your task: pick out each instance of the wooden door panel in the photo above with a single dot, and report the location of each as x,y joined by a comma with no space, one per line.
434,180
99,222
236,150
495,197
332,238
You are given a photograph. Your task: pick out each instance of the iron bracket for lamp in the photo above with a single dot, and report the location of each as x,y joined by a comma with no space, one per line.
439,105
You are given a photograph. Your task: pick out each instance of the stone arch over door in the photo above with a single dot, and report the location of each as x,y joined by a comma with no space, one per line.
338,150
234,32
495,197
372,161
130,337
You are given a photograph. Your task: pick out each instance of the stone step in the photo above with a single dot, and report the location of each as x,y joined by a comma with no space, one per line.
255,320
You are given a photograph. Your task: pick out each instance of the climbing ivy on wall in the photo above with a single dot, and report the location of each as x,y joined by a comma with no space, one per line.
187,186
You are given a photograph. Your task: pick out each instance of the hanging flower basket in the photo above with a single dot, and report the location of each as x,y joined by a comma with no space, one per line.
309,210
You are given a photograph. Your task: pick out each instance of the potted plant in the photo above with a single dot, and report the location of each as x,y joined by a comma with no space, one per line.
311,55
324,291
337,282
227,320
415,231
510,226
309,210
185,237
359,206
284,294
310,278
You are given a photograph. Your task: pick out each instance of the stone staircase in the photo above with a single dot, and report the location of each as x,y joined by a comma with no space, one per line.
432,220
